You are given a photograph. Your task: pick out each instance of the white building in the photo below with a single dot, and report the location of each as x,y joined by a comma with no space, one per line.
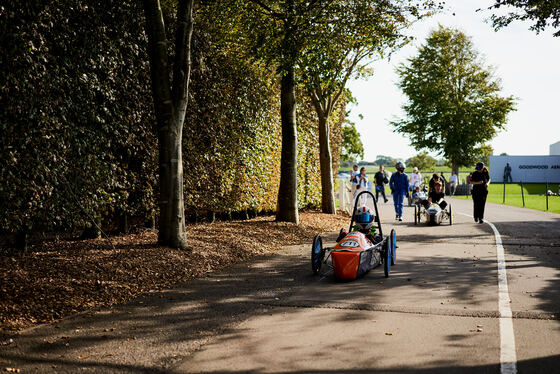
555,149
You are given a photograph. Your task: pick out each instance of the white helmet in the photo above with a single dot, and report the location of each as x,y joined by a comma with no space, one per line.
364,218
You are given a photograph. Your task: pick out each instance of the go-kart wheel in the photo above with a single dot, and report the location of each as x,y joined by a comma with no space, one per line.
450,216
387,257
415,214
317,254
393,239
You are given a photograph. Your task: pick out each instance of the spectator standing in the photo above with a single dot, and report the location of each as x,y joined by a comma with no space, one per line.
353,178
443,180
480,181
399,188
362,182
469,185
453,182
415,179
380,179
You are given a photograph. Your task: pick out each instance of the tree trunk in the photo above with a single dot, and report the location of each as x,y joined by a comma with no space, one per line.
325,159
455,167
287,195
171,205
170,103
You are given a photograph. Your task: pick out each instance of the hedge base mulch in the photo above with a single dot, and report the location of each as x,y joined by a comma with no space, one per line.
61,277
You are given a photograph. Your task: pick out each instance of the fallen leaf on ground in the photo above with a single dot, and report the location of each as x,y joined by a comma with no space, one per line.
94,274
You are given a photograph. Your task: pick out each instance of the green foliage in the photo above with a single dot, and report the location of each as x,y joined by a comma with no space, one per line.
76,126
422,161
543,12
453,104
352,146
341,50
78,141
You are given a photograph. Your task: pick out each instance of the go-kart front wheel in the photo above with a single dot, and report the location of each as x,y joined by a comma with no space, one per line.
450,216
393,240
317,254
416,214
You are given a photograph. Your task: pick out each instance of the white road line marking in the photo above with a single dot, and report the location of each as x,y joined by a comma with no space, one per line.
508,357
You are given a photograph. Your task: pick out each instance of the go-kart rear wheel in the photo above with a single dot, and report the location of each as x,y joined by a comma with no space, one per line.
387,257
415,214
393,239
450,216
317,254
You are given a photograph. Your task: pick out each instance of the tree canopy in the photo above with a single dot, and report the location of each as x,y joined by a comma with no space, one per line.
543,13
352,146
454,104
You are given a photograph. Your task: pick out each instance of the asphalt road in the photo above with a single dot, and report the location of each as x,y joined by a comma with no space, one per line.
437,312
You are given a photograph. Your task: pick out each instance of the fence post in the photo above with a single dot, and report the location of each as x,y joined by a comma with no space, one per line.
522,195
504,194
341,195
546,193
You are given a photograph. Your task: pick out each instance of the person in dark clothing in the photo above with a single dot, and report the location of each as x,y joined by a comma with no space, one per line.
399,188
480,181
436,192
380,179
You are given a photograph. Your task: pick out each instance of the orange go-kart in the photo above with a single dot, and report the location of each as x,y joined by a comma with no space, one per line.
361,248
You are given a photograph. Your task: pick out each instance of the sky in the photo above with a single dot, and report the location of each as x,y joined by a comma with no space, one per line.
527,63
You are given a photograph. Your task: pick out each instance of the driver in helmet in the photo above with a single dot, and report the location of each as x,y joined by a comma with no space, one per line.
364,219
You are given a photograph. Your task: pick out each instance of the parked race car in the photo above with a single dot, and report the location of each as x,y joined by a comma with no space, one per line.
359,249
433,214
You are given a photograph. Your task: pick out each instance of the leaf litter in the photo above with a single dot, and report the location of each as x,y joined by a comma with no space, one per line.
61,277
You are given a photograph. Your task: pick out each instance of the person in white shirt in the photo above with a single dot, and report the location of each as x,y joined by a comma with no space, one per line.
453,182
415,179
362,184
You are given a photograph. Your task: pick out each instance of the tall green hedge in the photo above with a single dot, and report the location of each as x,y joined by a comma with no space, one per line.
77,124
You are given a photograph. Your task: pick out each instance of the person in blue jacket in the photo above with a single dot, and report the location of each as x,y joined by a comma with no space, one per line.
399,188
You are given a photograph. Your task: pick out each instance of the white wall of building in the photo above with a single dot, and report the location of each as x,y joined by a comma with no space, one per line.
526,169
555,149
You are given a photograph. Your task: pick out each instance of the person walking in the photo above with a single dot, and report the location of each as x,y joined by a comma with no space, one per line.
453,182
480,180
399,188
380,179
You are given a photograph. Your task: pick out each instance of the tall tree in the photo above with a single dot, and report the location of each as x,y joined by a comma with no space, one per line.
543,12
363,30
170,93
278,32
454,105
